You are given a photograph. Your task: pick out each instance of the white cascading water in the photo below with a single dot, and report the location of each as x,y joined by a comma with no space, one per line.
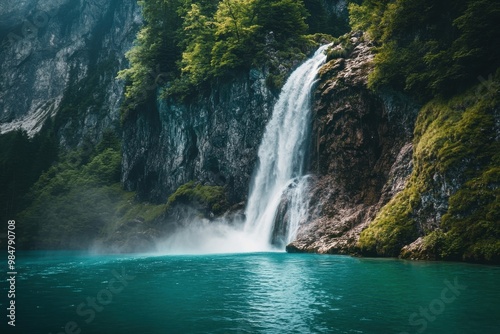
279,177
282,156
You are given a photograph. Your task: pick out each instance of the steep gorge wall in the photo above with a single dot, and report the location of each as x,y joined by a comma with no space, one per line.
59,59
211,139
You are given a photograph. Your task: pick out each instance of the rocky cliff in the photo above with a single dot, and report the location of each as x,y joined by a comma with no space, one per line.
211,139
59,59
391,178
361,152
361,146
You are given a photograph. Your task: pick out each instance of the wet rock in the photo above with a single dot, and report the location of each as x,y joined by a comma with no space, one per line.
418,250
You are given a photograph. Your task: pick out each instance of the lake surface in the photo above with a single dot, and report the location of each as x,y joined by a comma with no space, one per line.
59,292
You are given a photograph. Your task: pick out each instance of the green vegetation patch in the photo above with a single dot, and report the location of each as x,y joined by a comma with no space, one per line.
18,173
341,48
393,227
428,47
213,197
185,45
80,199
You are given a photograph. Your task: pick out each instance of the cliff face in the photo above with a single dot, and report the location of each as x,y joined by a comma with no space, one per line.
449,207
212,139
214,136
361,153
395,179
59,58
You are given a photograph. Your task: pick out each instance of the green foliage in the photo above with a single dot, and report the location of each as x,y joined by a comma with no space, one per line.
433,243
430,48
105,167
156,51
368,16
472,222
22,161
342,47
186,44
80,199
75,199
67,200
457,140
213,197
128,209
234,36
199,40
236,27
393,227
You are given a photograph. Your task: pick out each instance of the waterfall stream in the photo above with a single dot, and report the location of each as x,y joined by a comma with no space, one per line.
279,177
276,203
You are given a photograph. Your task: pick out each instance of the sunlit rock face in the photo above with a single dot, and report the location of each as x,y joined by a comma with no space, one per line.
59,59
361,154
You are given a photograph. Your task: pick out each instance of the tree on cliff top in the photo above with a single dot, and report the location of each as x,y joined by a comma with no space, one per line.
233,37
190,42
156,50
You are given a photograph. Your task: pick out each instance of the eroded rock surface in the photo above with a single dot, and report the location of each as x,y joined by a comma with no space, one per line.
361,153
61,57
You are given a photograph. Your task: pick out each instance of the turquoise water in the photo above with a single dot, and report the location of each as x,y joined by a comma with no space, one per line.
250,293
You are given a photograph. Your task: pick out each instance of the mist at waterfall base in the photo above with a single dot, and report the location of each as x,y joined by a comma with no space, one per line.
276,205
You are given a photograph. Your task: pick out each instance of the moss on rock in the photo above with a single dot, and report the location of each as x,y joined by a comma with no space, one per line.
212,197
456,173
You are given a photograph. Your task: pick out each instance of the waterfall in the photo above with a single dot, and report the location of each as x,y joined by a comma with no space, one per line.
276,204
279,182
